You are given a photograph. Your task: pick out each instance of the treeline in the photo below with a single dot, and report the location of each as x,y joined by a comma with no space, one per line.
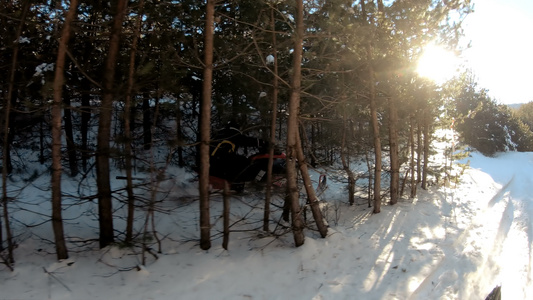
325,80
487,126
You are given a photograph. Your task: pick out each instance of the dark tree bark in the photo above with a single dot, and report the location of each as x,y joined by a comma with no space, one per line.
419,150
370,179
225,215
147,122
273,120
345,160
377,146
105,207
42,145
10,123
495,294
205,127
393,148
412,162
292,129
374,121
427,140
127,127
179,133
86,85
71,146
6,158
312,199
313,144
57,219
85,118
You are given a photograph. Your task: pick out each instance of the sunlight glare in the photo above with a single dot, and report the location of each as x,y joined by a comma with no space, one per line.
437,64
500,53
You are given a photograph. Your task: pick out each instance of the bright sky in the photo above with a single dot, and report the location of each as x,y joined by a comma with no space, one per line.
501,35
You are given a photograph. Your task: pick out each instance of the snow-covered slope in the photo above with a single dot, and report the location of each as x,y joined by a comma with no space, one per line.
448,243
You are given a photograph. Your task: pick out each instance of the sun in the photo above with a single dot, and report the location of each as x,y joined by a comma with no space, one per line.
437,64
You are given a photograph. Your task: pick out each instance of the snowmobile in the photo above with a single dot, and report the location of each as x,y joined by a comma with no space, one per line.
229,164
238,170
229,160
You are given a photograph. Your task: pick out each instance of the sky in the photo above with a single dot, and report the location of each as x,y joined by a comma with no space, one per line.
501,35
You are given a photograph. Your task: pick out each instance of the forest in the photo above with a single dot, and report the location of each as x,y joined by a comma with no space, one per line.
139,86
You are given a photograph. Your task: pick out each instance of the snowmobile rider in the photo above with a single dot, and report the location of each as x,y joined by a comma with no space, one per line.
226,162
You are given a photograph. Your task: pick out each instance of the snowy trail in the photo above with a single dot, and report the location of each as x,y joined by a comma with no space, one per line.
465,251
512,248
523,252
497,245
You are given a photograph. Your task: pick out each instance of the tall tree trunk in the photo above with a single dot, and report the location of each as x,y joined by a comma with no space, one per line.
274,117
57,219
86,91
427,139
157,172
71,146
374,120
412,163
380,7
6,159
419,150
313,144
205,127
42,145
10,123
105,207
377,144
393,148
370,179
147,122
312,199
225,215
85,118
346,160
179,133
292,129
127,126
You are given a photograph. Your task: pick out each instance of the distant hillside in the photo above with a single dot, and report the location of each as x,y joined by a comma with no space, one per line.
515,105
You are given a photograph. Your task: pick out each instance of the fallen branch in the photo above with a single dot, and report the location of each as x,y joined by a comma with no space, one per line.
57,279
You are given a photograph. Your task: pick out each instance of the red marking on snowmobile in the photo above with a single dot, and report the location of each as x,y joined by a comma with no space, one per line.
261,156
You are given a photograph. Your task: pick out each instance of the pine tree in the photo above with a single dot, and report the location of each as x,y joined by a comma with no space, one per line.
205,129
292,129
105,207
57,219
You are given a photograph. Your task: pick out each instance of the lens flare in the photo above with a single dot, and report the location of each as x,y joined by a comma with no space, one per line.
437,64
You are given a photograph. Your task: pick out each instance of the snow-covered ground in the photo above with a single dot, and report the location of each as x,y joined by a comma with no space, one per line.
455,242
